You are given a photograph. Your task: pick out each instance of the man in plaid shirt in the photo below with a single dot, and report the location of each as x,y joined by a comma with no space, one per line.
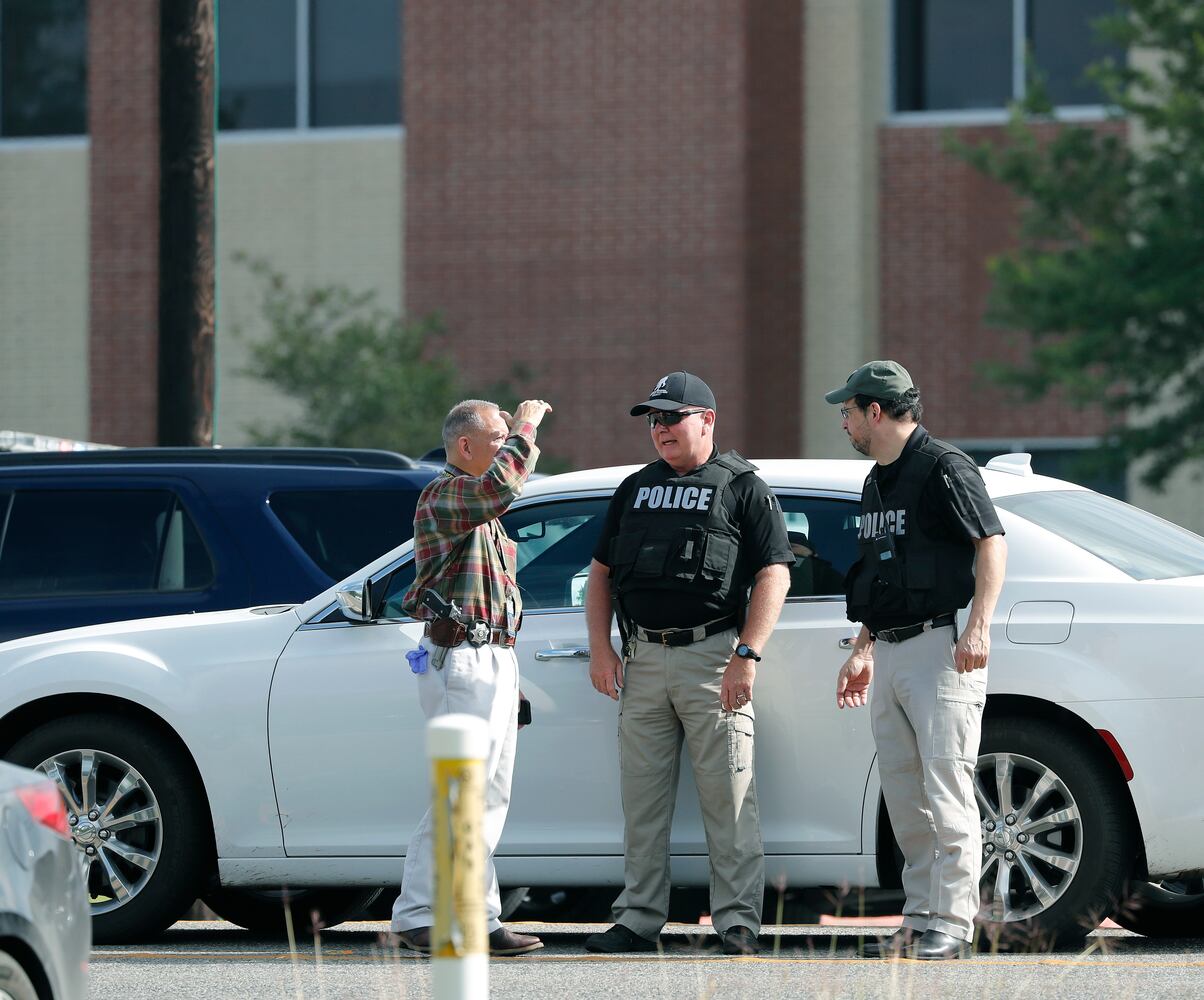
463,554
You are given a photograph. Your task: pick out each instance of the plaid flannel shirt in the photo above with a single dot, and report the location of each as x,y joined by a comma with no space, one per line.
460,547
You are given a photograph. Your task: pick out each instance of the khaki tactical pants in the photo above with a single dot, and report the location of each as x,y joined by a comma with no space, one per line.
669,692
927,721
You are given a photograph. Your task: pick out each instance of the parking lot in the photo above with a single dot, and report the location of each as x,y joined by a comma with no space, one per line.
359,960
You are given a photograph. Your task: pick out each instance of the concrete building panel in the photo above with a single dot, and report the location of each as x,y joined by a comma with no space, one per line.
44,288
845,102
321,209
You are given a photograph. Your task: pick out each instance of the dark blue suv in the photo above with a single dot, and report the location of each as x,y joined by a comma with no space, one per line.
101,536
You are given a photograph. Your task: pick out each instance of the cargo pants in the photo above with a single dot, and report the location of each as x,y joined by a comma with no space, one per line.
671,693
927,723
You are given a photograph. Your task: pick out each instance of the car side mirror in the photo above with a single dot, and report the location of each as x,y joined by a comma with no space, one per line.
355,600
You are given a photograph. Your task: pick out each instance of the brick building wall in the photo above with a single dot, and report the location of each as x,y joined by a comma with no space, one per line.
579,196
123,126
941,221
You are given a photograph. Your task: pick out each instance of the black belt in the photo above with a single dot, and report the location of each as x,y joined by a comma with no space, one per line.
911,631
684,636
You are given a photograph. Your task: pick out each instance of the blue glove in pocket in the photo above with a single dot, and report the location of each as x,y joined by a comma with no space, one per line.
418,659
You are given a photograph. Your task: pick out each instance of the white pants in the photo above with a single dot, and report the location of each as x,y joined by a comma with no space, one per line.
927,721
480,681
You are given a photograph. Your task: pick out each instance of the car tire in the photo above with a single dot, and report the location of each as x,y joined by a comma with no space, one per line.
1168,909
270,911
158,850
1079,843
15,984
511,900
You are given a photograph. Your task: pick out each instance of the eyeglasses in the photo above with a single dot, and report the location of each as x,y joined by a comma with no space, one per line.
670,418
846,410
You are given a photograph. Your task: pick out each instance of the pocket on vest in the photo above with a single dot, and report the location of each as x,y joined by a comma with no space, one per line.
919,578
687,553
631,554
719,562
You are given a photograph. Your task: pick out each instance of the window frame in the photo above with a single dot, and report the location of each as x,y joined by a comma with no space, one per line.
977,116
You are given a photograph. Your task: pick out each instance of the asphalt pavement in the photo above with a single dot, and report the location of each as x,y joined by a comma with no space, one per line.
362,961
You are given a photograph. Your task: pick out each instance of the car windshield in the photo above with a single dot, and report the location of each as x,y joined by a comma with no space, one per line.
1135,542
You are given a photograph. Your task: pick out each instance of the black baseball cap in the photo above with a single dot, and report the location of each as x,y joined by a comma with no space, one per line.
675,390
886,380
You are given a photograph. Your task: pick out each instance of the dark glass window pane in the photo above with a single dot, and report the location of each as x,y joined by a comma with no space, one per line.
952,54
356,72
100,541
257,64
823,537
43,55
1065,42
344,530
396,588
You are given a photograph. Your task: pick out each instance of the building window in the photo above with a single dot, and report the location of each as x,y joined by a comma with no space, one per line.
43,75
968,55
309,64
1072,459
257,71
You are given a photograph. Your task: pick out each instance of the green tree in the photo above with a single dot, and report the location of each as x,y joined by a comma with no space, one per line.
366,378
1108,276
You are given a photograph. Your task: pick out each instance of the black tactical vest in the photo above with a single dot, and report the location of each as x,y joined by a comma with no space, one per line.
675,533
925,575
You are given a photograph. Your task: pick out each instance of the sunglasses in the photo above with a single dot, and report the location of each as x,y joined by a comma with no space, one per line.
670,418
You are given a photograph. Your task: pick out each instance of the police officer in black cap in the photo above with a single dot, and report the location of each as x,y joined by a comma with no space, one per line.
930,543
684,539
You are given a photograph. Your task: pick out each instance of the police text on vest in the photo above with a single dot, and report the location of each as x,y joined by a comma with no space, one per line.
673,497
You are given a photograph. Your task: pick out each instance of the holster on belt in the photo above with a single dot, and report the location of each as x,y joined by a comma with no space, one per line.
445,632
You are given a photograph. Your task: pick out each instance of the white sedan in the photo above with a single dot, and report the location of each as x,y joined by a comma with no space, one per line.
233,753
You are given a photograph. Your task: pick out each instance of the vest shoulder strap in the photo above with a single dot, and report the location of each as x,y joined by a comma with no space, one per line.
735,463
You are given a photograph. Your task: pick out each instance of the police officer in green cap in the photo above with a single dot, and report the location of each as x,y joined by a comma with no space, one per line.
930,543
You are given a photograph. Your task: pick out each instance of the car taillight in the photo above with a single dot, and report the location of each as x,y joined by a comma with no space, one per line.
45,804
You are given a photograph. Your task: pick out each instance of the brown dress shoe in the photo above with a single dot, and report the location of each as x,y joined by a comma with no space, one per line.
417,939
504,941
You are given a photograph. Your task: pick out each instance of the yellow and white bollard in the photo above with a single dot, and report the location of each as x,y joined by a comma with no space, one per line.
457,746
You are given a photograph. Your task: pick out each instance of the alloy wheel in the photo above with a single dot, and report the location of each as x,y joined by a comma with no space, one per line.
114,819
1032,836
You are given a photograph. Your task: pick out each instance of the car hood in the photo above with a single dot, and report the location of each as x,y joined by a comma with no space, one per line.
145,629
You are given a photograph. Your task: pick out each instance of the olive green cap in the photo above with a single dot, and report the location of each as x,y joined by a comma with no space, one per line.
886,380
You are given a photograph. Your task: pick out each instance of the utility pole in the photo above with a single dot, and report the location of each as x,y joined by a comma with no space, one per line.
187,319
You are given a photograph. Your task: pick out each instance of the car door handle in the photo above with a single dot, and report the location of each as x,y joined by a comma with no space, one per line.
576,653
847,643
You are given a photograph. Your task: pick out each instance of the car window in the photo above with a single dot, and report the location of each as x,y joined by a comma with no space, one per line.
555,545
395,589
823,537
1134,541
342,530
58,542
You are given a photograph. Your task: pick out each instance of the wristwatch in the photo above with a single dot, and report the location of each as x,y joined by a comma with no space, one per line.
746,652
